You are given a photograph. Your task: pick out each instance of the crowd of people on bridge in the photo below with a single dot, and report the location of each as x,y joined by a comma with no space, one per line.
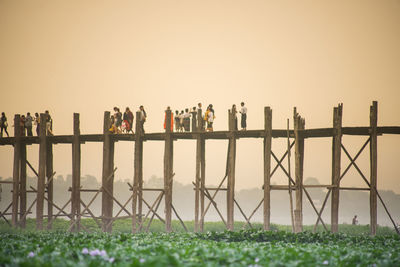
123,123
185,120
26,124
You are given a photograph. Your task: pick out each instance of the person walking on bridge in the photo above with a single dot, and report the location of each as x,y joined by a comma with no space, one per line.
243,121
142,119
28,124
4,124
172,119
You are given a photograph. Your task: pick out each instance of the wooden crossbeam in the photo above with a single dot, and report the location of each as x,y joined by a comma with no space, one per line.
279,162
179,218
207,194
214,195
91,201
243,214
90,213
2,214
352,160
120,211
59,212
155,212
151,209
303,188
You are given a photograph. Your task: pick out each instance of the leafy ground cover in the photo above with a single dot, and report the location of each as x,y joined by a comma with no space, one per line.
125,226
242,248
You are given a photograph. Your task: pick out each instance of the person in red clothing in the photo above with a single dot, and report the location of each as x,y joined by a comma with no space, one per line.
128,120
172,119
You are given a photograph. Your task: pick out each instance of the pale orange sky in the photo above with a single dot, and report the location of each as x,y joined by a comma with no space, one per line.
88,56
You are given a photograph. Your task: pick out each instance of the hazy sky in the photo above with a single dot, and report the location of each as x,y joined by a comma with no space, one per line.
88,56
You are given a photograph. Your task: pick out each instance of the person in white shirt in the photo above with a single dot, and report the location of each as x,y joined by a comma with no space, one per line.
210,118
243,111
142,119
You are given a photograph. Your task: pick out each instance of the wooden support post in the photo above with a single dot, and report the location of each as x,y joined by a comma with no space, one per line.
108,166
22,186
49,174
76,175
42,172
140,192
299,124
373,116
16,170
200,175
202,172
168,172
231,171
267,166
137,189
336,162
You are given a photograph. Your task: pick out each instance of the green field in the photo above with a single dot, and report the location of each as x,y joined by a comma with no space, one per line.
352,247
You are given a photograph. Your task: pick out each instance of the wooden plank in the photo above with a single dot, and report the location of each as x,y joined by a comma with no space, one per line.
276,133
373,115
16,170
355,188
299,124
355,130
336,163
388,130
76,174
22,186
231,172
168,154
42,172
267,167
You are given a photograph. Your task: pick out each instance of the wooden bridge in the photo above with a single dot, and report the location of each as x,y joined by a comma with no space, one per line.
295,138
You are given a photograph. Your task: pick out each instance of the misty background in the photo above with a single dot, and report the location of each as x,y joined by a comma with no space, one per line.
351,202
88,56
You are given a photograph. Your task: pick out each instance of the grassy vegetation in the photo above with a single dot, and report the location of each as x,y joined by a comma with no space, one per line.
125,226
242,248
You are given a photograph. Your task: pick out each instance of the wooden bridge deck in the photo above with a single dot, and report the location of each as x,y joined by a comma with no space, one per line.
308,133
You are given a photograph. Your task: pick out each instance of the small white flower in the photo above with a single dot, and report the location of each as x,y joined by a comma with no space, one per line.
85,251
31,254
256,260
142,260
325,262
111,260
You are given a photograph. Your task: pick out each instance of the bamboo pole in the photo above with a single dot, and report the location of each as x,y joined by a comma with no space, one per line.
336,162
76,174
267,167
42,171
373,166
16,170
